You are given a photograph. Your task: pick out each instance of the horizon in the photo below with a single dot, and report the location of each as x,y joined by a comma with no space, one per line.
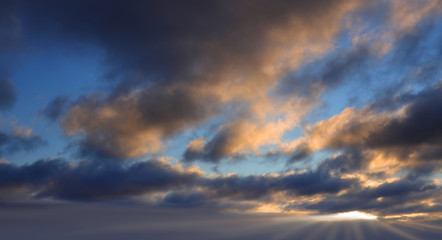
328,112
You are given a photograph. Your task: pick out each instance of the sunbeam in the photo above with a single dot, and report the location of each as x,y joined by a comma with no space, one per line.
398,231
346,216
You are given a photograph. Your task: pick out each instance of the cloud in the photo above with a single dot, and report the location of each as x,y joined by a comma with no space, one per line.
246,136
90,180
210,66
33,175
418,126
10,29
351,160
259,186
160,72
377,147
8,94
407,14
55,108
254,71
93,180
184,200
133,125
411,133
390,198
334,71
162,184
19,140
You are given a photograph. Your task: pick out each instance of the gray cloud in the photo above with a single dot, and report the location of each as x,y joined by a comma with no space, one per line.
413,136
420,125
181,74
90,180
11,143
186,188
255,187
214,150
386,199
55,108
8,94
174,65
349,161
309,81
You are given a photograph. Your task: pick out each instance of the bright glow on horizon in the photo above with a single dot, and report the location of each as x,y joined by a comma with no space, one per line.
353,215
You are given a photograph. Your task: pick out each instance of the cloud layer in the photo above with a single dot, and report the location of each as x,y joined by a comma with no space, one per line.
342,97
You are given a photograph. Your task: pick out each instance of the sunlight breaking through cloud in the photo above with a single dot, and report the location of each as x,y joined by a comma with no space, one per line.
347,216
246,119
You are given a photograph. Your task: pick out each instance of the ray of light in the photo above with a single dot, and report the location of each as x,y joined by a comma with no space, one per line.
397,231
332,233
321,231
294,228
356,230
422,226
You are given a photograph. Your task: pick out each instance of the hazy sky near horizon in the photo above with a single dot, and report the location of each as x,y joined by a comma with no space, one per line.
101,221
303,107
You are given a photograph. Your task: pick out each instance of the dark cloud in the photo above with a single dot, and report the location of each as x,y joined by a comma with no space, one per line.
9,29
9,46
35,175
316,182
322,75
300,153
55,108
8,95
420,124
349,161
386,199
413,135
430,153
214,150
11,143
255,187
417,56
184,200
167,38
181,56
173,65
90,180
417,47
111,180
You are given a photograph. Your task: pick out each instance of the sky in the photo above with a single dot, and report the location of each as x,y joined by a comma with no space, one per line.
209,108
